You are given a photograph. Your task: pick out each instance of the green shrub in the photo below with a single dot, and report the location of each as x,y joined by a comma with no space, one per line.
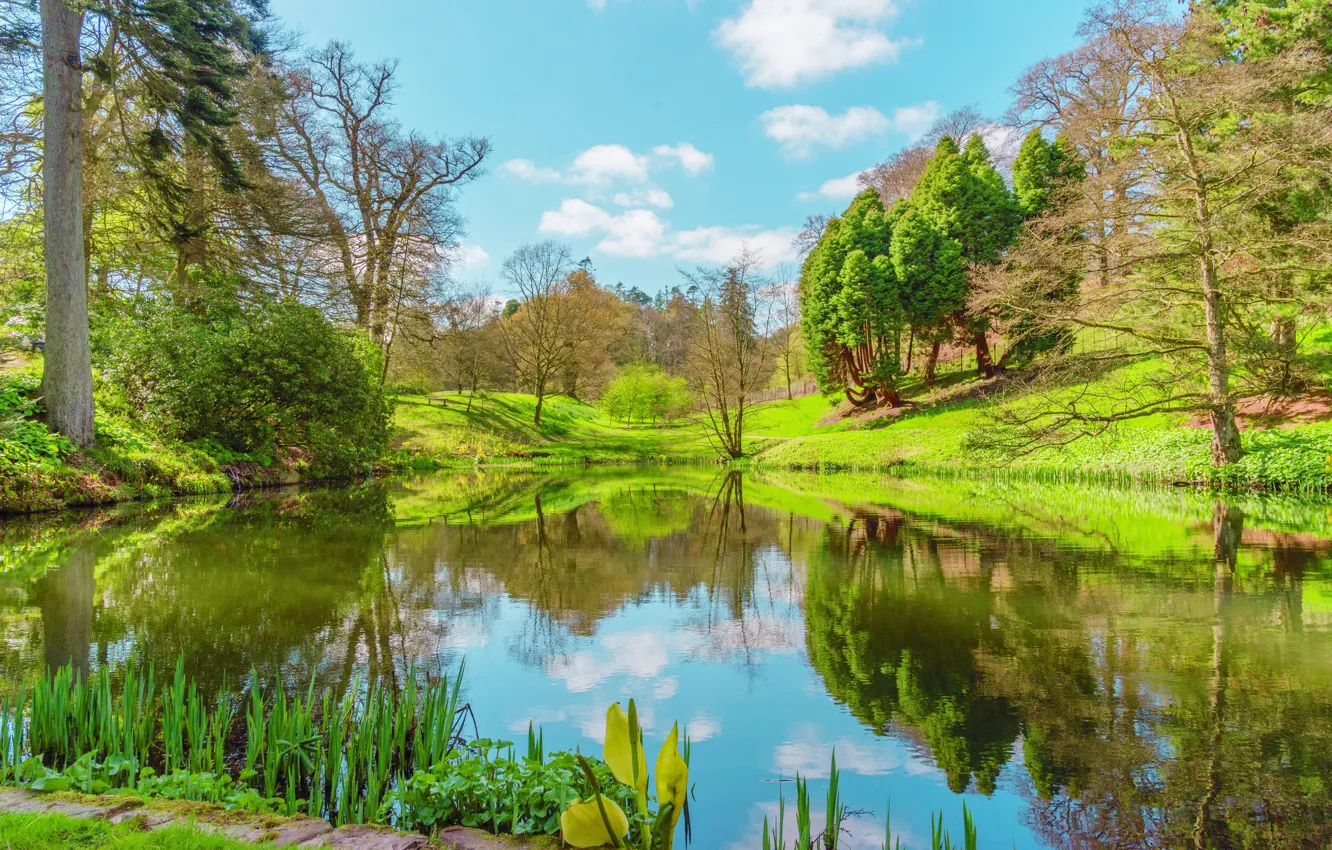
269,377
644,393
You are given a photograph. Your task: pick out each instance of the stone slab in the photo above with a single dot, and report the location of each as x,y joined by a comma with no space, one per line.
463,838
367,838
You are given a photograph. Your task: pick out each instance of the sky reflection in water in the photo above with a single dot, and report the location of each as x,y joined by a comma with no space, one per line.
1083,667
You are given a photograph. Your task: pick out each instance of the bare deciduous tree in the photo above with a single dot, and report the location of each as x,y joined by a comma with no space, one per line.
782,299
380,192
730,354
896,177
470,341
537,336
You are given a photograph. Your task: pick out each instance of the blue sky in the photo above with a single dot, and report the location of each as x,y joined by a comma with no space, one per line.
655,134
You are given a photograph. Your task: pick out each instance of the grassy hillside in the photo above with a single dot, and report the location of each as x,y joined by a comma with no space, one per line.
498,427
816,432
1164,448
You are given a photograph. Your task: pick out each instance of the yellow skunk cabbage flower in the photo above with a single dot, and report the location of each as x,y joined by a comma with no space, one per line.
583,825
624,747
672,775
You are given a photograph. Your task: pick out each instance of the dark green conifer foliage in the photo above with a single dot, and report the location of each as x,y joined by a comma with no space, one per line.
188,56
929,269
852,313
1040,167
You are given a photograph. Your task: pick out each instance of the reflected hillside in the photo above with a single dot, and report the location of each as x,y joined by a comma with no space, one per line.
1128,668
1150,699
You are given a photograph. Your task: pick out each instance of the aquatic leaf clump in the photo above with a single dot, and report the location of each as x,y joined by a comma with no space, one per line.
597,821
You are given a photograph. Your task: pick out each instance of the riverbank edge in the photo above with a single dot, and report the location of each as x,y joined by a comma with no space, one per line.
46,490
92,492
248,829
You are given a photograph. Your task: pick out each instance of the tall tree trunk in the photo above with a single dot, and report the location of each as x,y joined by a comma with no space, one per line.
541,400
984,362
1226,447
67,370
65,597
932,363
192,233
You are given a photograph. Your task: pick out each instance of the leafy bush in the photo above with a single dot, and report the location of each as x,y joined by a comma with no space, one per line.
644,393
252,380
23,441
486,790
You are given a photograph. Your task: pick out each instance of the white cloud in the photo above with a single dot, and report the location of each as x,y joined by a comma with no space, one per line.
837,189
915,121
1004,144
691,159
470,256
781,43
641,233
600,5
800,129
602,164
645,198
720,244
526,169
636,233
575,217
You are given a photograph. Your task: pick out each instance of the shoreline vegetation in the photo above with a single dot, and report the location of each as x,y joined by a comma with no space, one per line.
264,764
1112,293
1287,449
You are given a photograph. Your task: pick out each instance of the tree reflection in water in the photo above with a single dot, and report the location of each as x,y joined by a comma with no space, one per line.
1177,696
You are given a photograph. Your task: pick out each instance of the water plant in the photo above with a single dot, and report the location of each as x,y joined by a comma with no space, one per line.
335,756
598,820
836,815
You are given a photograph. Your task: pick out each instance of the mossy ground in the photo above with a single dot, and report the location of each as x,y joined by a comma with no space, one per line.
60,832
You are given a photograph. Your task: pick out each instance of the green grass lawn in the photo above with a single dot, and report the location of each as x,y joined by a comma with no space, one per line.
499,426
60,832
1158,448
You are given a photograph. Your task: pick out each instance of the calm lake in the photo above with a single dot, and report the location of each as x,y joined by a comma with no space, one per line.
1083,667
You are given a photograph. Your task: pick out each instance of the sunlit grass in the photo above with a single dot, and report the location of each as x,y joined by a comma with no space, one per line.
61,832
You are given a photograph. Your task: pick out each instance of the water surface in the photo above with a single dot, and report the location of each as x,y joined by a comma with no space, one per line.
1085,668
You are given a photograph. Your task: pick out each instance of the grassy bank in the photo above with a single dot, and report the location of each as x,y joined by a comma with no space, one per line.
40,471
62,832
932,437
499,427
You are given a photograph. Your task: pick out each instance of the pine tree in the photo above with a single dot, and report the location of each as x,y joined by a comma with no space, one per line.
930,275
965,198
1040,167
852,315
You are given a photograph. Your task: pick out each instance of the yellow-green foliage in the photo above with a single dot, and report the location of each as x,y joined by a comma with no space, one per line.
60,832
499,427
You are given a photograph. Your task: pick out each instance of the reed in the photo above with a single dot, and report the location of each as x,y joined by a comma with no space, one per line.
774,837
302,751
836,811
